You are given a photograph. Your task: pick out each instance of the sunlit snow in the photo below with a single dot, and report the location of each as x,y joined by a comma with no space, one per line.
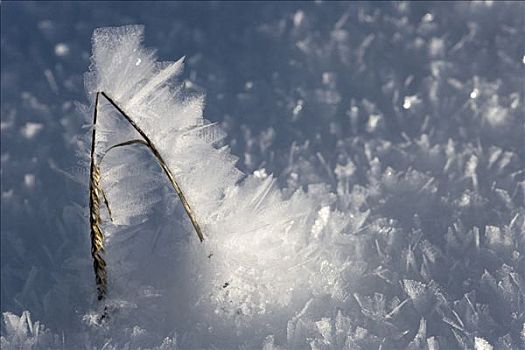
358,170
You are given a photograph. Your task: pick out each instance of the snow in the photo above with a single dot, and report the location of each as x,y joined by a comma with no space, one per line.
61,49
30,130
377,201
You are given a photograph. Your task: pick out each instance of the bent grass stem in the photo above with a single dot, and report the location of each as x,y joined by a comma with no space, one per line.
95,190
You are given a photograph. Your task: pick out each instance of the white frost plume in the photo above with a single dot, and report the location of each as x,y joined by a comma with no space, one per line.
265,254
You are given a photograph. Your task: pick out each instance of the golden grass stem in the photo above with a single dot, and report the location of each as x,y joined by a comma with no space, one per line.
97,236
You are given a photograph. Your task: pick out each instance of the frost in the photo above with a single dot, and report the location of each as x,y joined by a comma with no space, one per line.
377,201
22,333
30,130
29,180
61,49
482,344
264,253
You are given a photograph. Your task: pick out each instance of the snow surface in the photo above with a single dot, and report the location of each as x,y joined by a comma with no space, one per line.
378,201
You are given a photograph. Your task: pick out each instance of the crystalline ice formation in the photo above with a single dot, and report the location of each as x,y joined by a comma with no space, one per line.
22,333
264,253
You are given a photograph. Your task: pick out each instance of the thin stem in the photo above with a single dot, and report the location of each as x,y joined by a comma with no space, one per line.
97,237
164,167
107,205
122,144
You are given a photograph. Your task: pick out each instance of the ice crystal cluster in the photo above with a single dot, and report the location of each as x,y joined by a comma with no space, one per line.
382,206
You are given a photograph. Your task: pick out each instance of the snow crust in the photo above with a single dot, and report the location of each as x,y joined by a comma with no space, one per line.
396,225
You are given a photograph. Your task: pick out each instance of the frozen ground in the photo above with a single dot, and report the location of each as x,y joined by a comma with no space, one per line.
395,133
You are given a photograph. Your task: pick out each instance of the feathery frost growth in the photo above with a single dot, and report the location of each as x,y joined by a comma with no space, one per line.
265,254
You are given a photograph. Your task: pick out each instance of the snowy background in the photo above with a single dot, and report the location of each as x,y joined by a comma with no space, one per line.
406,119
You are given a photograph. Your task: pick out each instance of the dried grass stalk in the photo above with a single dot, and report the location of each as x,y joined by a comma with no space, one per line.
97,236
96,192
